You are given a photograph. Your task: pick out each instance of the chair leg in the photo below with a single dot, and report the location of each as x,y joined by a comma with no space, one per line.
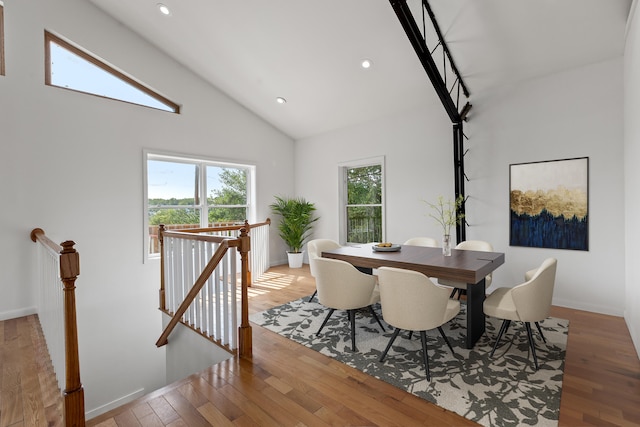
325,320
503,329
352,320
391,340
314,294
425,355
533,347
458,291
541,334
375,316
446,339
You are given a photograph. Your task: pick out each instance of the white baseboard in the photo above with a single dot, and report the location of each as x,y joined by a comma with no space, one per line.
635,334
13,314
112,405
611,311
276,262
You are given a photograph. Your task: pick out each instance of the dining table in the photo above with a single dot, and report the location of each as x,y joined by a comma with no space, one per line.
466,267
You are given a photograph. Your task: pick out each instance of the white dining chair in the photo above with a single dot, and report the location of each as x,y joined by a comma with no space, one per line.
411,301
341,286
423,241
471,245
527,302
314,250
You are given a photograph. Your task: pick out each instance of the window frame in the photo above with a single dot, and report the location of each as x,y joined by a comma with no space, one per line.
202,205
52,38
2,69
343,167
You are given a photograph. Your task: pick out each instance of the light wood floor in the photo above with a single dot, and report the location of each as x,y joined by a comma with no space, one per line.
29,394
287,384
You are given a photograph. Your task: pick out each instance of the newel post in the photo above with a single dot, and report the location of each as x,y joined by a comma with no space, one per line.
249,278
244,332
73,392
161,240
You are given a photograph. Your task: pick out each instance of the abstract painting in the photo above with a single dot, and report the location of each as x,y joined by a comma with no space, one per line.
549,204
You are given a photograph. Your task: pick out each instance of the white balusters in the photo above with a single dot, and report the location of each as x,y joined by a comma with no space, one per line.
259,254
51,309
216,309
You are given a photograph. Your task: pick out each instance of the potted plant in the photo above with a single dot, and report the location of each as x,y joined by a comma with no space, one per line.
295,225
446,213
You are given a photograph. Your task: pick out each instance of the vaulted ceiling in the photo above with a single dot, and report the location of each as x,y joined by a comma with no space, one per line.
309,52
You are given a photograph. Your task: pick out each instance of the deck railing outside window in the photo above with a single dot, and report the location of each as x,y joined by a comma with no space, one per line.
364,230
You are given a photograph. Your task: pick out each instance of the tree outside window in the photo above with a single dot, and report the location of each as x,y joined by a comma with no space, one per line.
364,207
191,193
229,201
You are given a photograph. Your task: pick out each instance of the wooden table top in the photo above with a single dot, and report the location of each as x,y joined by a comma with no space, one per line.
462,266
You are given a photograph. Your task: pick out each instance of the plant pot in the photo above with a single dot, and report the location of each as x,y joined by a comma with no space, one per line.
295,259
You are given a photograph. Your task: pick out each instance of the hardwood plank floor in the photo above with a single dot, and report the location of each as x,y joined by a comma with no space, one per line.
28,390
287,384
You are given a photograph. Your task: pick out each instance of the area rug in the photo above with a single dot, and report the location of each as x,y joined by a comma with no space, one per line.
504,390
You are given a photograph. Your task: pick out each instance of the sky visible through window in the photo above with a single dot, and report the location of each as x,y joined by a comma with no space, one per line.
69,70
168,180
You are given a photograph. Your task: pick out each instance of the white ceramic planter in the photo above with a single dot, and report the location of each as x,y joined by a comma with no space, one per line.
295,259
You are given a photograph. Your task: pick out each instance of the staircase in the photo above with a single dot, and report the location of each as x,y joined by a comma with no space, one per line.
29,394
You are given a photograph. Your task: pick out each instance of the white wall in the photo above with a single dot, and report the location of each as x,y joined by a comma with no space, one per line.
632,174
573,114
72,165
418,160
189,352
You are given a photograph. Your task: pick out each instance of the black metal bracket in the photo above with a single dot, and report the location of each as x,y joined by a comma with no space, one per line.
459,178
419,44
439,82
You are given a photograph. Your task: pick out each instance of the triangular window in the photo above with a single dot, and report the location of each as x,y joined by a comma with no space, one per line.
71,68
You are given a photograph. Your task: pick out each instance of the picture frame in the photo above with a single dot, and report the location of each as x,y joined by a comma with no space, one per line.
549,204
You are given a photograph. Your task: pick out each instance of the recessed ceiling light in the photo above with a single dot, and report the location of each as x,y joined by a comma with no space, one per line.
281,100
366,63
164,9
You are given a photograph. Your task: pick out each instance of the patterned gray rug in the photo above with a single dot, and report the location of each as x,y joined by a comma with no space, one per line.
500,391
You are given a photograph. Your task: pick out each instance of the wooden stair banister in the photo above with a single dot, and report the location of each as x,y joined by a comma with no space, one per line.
245,338
69,271
246,226
243,244
188,299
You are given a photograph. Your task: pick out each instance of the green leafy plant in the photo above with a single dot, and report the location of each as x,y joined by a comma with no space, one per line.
447,212
297,220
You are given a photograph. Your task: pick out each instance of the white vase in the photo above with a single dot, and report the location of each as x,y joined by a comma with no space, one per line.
446,245
295,259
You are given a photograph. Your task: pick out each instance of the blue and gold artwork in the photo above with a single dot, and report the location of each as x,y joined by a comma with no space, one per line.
549,204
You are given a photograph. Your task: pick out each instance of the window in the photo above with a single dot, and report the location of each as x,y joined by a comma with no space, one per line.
184,192
1,39
69,67
362,218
